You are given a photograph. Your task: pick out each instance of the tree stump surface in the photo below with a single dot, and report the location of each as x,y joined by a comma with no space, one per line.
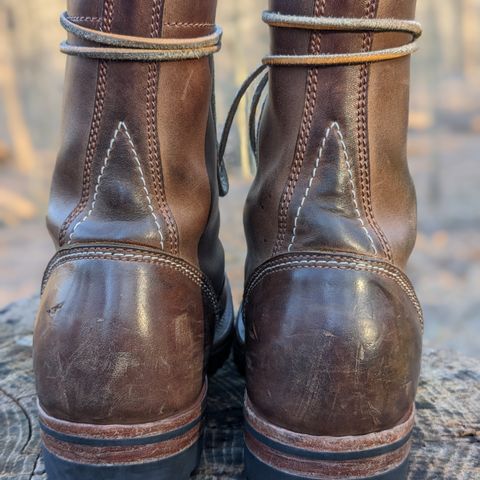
446,438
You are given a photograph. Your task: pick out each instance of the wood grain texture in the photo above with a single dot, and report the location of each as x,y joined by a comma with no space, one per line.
446,439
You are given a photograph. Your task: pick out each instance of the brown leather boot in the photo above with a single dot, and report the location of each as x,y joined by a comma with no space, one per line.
333,326
135,305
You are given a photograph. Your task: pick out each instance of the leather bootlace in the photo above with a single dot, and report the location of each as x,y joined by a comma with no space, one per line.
330,24
110,46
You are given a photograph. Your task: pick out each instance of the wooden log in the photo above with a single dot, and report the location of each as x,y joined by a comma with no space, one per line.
446,439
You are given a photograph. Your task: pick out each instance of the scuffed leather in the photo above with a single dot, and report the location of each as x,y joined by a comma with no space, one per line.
120,341
117,340
331,350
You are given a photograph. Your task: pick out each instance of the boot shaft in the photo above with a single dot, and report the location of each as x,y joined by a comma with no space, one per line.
135,298
333,172
331,324
137,161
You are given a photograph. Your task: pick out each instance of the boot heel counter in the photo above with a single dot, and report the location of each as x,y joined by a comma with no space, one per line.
120,338
333,344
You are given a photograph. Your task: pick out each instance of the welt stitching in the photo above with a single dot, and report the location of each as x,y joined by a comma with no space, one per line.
363,150
333,264
94,129
334,126
305,129
149,259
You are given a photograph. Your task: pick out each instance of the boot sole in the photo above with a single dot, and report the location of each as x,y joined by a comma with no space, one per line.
274,453
163,450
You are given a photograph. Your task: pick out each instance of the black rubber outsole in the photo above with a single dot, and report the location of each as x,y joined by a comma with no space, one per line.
255,469
178,467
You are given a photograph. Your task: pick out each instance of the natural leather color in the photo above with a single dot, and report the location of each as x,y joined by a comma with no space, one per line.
333,326
335,350
132,298
132,351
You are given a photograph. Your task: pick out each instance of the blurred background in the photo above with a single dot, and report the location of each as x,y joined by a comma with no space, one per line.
444,152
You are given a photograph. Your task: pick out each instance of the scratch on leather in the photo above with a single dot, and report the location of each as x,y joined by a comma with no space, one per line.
334,126
338,263
121,127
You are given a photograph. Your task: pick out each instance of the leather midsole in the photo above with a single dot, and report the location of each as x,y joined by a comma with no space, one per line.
329,457
115,444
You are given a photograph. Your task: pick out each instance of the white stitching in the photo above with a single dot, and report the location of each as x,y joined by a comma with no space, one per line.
352,186
121,126
189,24
99,178
307,190
194,277
84,19
191,274
341,140
144,183
362,265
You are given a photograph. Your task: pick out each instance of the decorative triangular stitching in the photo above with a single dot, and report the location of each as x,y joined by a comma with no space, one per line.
121,127
334,126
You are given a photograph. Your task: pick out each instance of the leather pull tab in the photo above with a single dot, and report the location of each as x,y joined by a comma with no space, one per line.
222,176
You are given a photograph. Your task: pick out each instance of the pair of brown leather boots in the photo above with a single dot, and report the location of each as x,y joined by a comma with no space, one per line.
135,307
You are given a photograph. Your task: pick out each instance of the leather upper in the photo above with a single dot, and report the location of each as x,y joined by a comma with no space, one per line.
334,138
122,335
333,326
125,323
333,344
129,171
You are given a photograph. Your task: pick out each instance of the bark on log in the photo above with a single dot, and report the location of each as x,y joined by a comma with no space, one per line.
446,439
